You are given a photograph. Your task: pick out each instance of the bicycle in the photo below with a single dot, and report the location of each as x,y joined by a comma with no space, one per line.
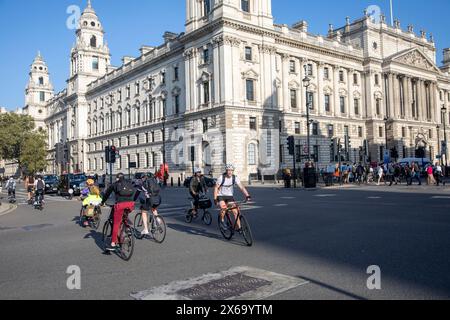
231,227
157,225
93,217
204,205
38,204
125,235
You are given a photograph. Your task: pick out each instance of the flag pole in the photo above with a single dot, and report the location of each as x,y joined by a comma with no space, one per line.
392,13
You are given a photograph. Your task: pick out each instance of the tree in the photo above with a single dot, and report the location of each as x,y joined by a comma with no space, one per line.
34,152
14,130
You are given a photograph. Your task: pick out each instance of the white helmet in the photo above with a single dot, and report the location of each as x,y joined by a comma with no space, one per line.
197,170
229,167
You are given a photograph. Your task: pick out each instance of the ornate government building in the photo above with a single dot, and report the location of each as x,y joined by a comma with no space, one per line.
231,87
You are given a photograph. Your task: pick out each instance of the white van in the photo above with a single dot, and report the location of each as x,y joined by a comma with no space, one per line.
421,162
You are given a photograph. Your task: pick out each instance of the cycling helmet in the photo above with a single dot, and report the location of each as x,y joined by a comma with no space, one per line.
197,170
229,167
90,182
120,176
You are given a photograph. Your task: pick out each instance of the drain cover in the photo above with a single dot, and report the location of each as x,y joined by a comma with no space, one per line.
224,288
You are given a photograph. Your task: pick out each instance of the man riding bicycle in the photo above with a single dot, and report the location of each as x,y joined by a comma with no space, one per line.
124,196
150,198
39,187
11,187
197,186
224,193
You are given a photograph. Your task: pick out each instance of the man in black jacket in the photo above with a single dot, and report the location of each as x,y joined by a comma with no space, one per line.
197,186
125,200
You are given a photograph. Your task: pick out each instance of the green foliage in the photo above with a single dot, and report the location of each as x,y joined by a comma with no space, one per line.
34,152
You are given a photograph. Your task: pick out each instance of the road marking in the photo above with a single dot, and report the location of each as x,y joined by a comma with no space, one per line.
373,197
280,205
259,284
324,195
288,198
440,197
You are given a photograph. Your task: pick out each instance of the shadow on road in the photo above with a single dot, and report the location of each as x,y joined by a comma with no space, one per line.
332,288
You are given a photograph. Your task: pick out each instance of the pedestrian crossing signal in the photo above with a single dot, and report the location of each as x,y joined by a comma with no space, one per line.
291,145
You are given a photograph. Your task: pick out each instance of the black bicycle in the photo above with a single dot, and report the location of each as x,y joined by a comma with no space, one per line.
204,204
156,224
231,223
125,235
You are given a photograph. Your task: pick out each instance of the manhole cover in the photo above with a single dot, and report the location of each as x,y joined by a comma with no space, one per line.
224,288
36,227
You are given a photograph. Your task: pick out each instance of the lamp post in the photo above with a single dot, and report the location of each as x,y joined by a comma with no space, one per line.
163,119
386,120
444,121
306,84
439,143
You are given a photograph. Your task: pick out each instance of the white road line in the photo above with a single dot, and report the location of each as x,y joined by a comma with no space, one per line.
324,195
373,197
201,286
280,205
288,198
440,197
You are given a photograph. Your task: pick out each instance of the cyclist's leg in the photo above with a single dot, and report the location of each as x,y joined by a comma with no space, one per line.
145,221
223,208
117,221
238,222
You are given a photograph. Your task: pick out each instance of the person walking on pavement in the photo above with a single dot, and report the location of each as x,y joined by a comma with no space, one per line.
380,174
415,173
438,173
430,176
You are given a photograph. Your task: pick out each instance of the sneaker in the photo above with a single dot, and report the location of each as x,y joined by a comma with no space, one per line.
145,233
112,248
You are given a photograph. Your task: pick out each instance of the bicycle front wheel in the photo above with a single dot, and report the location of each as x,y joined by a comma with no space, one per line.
97,219
126,243
159,229
226,227
246,231
207,218
189,216
107,234
138,226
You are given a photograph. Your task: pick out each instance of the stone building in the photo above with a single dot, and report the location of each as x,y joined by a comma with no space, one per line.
230,89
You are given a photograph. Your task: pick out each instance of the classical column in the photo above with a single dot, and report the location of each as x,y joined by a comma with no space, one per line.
350,107
320,98
391,105
216,82
302,90
188,82
285,82
335,107
395,112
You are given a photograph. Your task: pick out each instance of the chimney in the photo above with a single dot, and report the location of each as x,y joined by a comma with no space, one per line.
446,56
168,36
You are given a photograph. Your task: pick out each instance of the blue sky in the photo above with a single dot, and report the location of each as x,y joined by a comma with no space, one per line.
28,26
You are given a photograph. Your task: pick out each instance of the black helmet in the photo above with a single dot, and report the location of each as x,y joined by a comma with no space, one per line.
120,176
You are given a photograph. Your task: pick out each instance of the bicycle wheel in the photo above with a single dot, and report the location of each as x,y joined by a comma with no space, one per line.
189,216
159,229
81,220
227,230
207,218
107,234
126,242
97,219
246,231
138,226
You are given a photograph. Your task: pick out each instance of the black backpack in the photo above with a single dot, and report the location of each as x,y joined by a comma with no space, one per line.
152,187
126,189
40,185
223,180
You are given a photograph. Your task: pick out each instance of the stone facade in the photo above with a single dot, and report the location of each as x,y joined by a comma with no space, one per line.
231,86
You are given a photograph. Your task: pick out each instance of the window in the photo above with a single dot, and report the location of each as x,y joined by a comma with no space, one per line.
95,63
205,125
177,104
119,94
327,103
326,73
207,6
378,107
293,98
355,79
206,92
297,127
330,131
137,88
316,153
377,80
128,92
252,154
175,73
356,105
41,80
346,132
292,66
403,132
310,100
42,96
341,76
252,123
315,129
205,55
342,104
250,89
163,77
248,53
309,70
137,139
360,132
430,134
380,132
93,42
245,5
381,153
441,95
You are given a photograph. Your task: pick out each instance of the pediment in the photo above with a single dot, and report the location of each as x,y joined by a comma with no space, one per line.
415,58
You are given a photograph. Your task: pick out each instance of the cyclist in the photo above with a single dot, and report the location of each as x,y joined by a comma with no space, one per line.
11,187
29,185
224,193
197,185
85,193
124,197
150,198
39,187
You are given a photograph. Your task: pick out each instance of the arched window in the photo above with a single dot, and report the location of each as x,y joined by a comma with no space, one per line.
251,154
94,42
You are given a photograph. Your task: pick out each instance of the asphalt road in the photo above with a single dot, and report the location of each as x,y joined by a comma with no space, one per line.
327,237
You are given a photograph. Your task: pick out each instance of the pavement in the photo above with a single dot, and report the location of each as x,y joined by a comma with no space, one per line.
326,239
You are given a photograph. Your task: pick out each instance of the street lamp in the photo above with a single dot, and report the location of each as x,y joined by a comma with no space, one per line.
306,84
163,119
444,121
386,119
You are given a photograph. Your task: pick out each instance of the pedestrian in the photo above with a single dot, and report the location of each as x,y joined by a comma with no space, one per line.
380,174
415,173
430,176
438,173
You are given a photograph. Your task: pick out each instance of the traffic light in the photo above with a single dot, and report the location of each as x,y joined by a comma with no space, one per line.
108,154
291,145
113,154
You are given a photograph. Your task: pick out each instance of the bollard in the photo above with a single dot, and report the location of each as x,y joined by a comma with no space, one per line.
171,181
179,182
